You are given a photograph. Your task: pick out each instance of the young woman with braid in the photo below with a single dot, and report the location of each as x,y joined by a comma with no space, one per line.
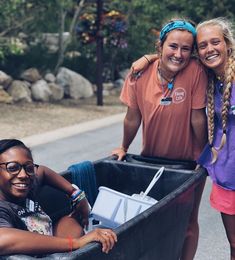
216,50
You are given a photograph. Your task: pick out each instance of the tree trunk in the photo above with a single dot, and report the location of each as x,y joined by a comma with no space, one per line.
64,44
61,40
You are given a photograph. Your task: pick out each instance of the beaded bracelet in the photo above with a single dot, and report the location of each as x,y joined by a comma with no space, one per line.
80,196
75,194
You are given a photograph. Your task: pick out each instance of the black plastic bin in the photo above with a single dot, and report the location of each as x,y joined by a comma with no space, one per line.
147,160
157,233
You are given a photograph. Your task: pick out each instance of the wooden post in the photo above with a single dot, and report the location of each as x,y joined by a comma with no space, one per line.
99,54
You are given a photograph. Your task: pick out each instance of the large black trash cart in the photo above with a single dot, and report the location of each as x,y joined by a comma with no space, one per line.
155,234
147,160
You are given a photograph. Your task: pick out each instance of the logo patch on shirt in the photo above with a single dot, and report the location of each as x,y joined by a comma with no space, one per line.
178,95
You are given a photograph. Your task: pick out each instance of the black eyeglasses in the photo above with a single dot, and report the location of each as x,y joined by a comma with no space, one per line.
14,168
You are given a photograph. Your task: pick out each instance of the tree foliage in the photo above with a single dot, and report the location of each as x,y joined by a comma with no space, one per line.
143,20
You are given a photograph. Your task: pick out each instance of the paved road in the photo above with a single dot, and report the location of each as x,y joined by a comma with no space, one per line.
97,144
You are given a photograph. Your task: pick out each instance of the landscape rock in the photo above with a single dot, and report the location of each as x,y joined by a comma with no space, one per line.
57,92
5,97
66,84
75,85
108,86
51,40
118,83
41,91
49,77
5,80
19,91
115,91
32,75
105,93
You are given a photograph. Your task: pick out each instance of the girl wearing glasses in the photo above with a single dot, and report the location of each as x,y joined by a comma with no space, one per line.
24,227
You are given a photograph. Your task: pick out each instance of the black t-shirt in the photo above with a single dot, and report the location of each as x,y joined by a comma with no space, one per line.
29,217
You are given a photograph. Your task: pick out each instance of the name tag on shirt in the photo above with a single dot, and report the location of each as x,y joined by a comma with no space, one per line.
165,101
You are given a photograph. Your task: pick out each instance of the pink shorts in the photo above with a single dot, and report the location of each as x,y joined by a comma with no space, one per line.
222,200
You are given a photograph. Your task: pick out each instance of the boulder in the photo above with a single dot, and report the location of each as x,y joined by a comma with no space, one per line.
4,96
51,40
31,75
41,91
5,80
19,91
49,77
108,85
118,83
75,85
57,92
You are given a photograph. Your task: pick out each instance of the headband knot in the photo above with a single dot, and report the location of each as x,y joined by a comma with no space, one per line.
177,25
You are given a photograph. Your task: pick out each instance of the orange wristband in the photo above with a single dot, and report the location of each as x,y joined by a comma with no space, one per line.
70,241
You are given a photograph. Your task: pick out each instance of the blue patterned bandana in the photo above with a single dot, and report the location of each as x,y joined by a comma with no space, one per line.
177,25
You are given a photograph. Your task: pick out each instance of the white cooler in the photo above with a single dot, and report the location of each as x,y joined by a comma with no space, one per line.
113,208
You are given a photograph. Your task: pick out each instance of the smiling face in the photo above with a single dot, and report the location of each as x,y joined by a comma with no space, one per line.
15,188
212,48
176,52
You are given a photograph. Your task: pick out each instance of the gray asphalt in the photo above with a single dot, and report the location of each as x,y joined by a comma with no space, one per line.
98,143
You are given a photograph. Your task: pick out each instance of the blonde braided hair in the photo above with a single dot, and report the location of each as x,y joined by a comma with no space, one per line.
229,77
210,117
